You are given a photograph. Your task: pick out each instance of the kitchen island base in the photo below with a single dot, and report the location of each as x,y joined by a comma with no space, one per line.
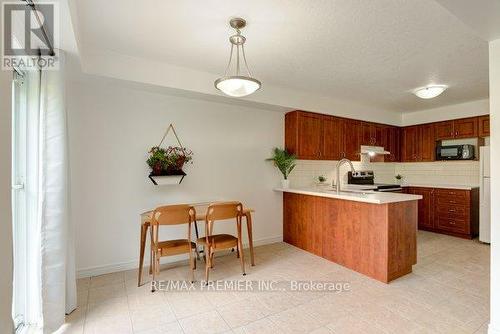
377,240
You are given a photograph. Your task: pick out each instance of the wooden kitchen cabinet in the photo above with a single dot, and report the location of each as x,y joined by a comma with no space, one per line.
312,136
448,211
372,134
351,139
457,129
444,130
309,132
484,126
332,138
427,148
392,144
425,206
418,143
466,127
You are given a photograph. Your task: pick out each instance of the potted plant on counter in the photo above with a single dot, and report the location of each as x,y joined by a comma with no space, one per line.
166,164
285,162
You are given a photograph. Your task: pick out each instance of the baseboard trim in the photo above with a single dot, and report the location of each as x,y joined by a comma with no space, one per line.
115,267
492,330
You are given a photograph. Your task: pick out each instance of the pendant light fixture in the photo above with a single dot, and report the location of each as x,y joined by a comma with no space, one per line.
237,84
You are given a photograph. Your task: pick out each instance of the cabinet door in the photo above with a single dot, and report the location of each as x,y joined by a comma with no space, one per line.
367,133
426,143
425,207
484,126
351,139
466,128
309,136
332,138
409,144
394,144
379,138
444,130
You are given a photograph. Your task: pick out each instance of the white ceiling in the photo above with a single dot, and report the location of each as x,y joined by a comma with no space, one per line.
370,52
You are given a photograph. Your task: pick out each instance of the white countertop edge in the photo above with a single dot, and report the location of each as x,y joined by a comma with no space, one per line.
441,186
368,197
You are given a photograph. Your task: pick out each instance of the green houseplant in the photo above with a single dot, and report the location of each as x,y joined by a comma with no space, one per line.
285,162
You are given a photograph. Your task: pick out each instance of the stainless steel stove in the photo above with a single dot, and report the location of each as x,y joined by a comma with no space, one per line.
366,181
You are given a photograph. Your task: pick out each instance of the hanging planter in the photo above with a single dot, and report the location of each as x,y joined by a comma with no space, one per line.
166,163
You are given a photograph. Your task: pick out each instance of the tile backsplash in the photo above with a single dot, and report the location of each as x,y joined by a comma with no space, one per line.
440,172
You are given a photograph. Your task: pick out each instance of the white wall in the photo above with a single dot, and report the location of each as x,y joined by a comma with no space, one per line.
5,202
461,110
495,185
111,130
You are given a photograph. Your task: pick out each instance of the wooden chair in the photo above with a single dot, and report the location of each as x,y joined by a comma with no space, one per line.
214,242
172,215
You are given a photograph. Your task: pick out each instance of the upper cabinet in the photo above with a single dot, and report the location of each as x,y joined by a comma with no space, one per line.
393,143
372,134
456,129
418,143
332,139
484,126
312,136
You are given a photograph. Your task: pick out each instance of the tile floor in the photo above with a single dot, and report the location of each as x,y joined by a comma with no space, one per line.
448,292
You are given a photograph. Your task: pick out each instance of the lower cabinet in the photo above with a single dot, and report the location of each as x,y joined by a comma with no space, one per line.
448,211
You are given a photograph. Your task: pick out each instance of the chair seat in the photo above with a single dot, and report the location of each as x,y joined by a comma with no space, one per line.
174,247
220,241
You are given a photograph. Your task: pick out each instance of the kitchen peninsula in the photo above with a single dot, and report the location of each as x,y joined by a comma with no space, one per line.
372,233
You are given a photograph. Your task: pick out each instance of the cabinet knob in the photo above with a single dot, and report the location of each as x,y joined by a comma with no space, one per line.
451,210
452,222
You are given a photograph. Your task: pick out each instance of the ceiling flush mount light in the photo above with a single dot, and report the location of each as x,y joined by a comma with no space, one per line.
238,84
429,92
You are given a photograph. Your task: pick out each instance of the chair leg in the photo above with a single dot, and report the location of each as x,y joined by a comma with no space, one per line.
207,263
212,254
153,270
237,251
191,265
197,253
240,246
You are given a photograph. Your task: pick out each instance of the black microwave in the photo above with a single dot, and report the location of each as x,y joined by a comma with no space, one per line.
455,152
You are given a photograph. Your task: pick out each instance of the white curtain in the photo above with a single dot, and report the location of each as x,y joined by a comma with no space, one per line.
50,267
58,285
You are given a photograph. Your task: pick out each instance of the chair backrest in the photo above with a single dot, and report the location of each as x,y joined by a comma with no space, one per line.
224,210
173,215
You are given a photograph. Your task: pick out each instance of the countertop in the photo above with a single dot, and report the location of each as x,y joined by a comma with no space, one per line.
353,195
441,186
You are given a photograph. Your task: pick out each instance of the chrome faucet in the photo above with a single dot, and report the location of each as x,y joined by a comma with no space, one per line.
337,181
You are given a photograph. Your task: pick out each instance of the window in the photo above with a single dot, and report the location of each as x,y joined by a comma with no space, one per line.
26,292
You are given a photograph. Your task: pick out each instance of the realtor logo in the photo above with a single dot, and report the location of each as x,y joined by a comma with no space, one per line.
30,32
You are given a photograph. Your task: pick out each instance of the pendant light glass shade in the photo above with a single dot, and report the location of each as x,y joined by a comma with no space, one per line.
237,85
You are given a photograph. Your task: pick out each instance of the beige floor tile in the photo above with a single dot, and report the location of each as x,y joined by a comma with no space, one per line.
349,324
167,328
208,322
295,321
448,292
110,325
262,326
151,318
242,312
107,279
186,304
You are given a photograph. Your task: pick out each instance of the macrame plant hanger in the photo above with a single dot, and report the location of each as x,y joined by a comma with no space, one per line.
168,179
